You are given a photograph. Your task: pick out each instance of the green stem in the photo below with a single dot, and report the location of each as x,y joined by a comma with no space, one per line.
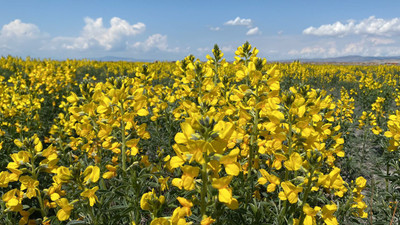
363,146
94,218
306,196
253,148
34,176
290,141
290,134
387,175
216,73
42,209
283,212
253,144
204,178
123,148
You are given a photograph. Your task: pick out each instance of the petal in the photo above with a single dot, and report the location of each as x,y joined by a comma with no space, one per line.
225,195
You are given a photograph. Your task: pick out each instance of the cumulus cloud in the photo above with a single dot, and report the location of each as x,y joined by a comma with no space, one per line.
239,22
253,31
365,46
95,34
369,26
18,29
155,41
244,22
19,38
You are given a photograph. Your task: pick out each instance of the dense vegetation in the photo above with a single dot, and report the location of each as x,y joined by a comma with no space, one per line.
86,142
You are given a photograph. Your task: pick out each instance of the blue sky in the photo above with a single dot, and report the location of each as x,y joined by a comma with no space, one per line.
171,30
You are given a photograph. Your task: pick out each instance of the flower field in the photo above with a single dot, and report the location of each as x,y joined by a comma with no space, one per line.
191,142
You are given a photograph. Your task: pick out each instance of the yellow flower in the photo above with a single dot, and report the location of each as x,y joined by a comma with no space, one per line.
310,214
224,192
232,167
361,182
38,144
13,199
163,183
266,177
185,136
132,144
333,180
207,220
176,161
327,214
55,192
66,208
150,201
6,177
92,174
290,192
186,205
143,112
187,179
90,194
294,163
20,158
63,175
30,184
72,98
18,143
144,201
160,221
25,218
111,173
105,131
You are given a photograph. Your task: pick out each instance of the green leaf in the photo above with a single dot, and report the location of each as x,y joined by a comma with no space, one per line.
76,222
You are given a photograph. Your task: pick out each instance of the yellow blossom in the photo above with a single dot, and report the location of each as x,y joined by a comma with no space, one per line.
90,194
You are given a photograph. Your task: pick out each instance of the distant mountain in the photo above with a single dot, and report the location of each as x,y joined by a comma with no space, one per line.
115,59
354,58
341,59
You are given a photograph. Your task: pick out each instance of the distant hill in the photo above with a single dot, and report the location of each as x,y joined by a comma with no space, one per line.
341,59
115,59
353,59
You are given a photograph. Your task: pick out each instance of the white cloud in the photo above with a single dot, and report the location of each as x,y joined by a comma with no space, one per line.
203,50
308,51
369,26
293,52
18,29
244,22
18,38
95,34
336,29
224,49
227,49
215,28
253,31
364,47
381,41
239,22
312,50
354,49
155,41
